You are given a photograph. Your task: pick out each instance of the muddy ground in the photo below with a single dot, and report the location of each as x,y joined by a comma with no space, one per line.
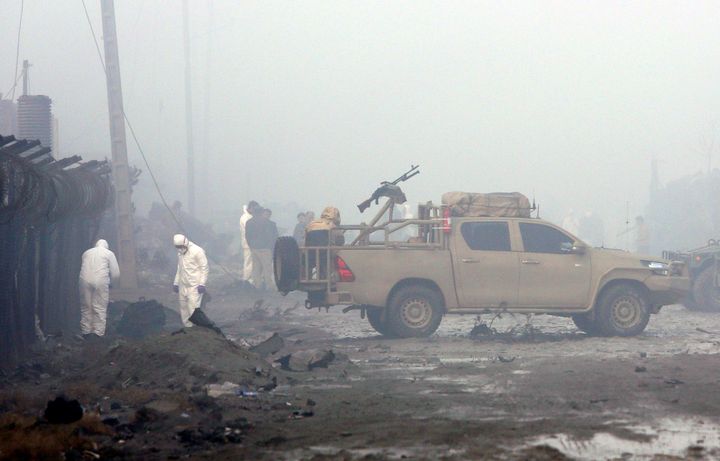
539,390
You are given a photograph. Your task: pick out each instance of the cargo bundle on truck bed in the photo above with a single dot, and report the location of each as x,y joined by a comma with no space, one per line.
482,260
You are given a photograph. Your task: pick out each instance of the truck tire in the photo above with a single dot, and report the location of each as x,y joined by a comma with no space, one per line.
286,264
414,311
378,320
706,296
622,310
586,324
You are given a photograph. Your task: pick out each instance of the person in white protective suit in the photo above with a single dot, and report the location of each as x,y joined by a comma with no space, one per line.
191,276
98,270
248,211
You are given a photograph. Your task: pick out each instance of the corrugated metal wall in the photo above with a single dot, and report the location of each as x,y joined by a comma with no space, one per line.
49,214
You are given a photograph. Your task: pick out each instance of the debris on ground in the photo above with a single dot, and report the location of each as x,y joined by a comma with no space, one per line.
309,360
200,319
142,319
270,346
63,411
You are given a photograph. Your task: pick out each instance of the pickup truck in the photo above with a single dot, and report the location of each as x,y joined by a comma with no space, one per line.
477,265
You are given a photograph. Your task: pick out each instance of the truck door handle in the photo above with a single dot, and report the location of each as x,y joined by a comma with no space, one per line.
530,261
468,260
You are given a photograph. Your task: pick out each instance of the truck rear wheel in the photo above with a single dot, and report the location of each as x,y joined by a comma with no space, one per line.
586,324
622,310
706,295
378,320
414,311
286,264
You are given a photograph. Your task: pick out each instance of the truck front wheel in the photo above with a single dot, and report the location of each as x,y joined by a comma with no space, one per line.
622,310
379,320
414,311
706,295
586,324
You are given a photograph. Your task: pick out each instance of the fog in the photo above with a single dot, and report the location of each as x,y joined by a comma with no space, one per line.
313,103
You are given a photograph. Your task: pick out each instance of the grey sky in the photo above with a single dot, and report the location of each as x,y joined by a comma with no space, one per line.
315,102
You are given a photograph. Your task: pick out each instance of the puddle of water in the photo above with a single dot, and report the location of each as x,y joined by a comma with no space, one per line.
384,452
670,437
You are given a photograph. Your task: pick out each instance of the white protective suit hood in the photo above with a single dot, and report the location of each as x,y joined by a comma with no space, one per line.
99,265
180,240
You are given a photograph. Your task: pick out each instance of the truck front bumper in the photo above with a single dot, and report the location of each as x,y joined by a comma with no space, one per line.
665,290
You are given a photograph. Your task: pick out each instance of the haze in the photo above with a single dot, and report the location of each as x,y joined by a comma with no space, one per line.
313,103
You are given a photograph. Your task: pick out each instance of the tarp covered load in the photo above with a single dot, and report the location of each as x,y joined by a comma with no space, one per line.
507,204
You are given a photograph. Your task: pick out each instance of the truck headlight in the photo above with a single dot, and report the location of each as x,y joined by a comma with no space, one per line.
659,268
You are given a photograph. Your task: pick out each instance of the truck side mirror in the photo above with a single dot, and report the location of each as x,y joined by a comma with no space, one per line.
579,248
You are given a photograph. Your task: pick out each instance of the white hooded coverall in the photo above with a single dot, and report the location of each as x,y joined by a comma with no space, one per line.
98,268
192,271
247,256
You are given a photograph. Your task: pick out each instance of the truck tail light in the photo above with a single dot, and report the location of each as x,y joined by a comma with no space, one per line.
446,220
344,272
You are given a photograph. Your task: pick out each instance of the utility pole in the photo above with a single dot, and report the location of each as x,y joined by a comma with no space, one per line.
118,146
188,113
208,189
26,67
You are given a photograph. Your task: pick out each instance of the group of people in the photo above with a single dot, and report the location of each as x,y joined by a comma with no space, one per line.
99,268
257,234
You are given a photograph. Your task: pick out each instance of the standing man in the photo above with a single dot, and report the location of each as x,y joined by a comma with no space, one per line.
261,235
299,232
98,270
191,276
248,211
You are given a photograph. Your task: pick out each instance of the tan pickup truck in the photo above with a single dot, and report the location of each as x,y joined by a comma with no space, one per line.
405,285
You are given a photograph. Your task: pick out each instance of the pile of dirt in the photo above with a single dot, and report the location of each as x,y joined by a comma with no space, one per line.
187,359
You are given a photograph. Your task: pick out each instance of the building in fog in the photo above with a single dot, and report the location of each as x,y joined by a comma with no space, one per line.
34,119
8,117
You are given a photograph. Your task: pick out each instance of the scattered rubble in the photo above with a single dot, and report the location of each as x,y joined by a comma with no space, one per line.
270,346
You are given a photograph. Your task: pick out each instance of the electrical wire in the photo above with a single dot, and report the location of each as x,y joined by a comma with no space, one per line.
17,50
142,152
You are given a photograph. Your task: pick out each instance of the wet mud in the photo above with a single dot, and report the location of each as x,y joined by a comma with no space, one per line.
532,389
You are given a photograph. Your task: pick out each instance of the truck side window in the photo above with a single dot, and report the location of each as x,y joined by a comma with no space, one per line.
538,238
486,236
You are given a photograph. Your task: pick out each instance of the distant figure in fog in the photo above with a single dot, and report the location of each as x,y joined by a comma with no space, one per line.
261,234
642,236
299,232
248,211
309,217
570,223
191,276
98,270
592,229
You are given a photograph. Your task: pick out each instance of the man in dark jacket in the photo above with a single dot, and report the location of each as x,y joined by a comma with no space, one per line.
261,234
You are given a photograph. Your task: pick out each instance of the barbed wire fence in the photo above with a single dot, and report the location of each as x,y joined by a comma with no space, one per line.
50,212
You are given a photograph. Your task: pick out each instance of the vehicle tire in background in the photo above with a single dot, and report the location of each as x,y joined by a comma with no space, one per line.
586,324
706,296
622,310
286,264
377,317
414,311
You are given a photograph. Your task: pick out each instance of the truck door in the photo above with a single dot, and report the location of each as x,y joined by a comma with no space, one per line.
487,272
551,275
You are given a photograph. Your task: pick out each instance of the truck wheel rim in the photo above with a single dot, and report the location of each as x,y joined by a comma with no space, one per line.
626,311
416,312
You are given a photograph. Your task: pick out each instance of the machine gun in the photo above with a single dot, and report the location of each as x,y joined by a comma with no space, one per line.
390,189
